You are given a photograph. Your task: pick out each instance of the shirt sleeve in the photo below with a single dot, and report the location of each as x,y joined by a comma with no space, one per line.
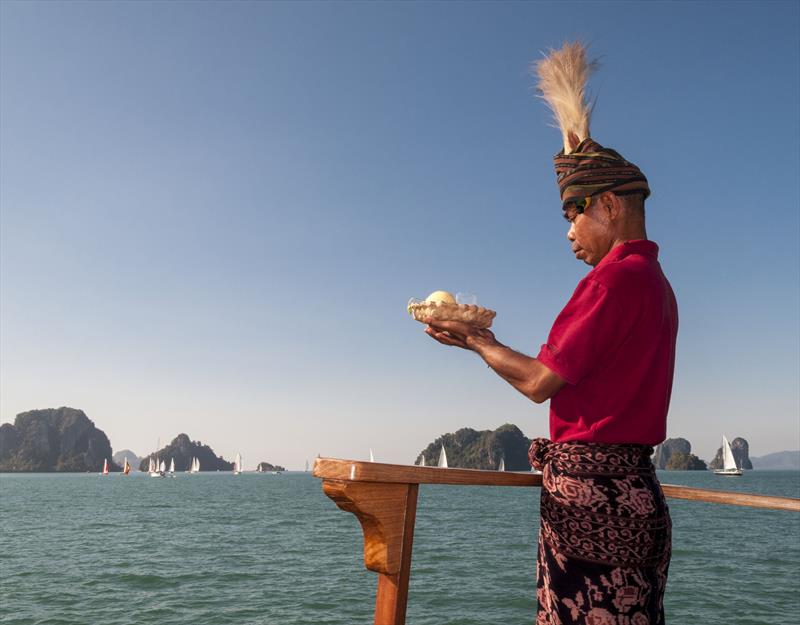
591,326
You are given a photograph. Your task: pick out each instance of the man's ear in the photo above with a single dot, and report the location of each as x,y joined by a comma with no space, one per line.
611,205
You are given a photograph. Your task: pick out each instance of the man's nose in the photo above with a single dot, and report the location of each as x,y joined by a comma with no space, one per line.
571,232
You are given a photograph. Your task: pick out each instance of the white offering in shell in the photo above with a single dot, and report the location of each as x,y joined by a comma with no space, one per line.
442,306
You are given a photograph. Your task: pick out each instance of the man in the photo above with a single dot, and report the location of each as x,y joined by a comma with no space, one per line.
607,368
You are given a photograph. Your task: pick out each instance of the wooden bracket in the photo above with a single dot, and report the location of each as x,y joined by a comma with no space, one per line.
387,513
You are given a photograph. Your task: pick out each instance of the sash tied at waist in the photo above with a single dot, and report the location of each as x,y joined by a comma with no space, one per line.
591,458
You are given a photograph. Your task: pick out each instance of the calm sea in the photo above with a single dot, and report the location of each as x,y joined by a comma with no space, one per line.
211,549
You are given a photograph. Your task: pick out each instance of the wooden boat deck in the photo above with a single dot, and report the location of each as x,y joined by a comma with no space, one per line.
384,499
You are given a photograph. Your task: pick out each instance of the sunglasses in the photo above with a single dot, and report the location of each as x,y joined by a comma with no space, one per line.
572,208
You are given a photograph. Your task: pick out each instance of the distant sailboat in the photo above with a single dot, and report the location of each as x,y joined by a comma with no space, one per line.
371,457
422,462
195,468
105,467
442,458
172,467
306,466
728,461
502,465
156,469
237,464
127,468
152,467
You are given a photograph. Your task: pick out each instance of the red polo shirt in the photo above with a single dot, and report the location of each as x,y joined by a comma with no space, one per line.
614,344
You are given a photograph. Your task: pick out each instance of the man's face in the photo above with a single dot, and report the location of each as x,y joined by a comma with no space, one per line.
589,231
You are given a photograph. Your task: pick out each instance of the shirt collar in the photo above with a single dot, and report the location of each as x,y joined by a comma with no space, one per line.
642,247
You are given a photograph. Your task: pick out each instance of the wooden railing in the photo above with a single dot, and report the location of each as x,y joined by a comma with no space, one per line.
384,499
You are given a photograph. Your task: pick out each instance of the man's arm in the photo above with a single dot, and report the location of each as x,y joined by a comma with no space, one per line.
529,376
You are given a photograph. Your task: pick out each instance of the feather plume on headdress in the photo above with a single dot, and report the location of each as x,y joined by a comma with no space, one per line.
562,85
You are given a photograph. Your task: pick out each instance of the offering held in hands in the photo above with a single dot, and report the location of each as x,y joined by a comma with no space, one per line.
442,306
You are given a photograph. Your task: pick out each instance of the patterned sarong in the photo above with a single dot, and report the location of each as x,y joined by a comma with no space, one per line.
604,541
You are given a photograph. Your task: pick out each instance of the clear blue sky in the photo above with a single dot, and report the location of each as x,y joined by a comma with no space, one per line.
213,214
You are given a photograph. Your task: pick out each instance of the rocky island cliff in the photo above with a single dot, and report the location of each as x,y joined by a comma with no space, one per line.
472,449
741,453
266,467
182,449
675,454
53,439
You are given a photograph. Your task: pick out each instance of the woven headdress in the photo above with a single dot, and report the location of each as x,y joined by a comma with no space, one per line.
583,167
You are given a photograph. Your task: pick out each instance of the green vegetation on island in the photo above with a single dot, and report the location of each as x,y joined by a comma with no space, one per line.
182,449
472,449
664,451
680,461
266,467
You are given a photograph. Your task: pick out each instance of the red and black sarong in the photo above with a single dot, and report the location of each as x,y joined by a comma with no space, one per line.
605,536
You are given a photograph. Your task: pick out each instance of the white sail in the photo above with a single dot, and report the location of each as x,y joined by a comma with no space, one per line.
371,457
172,465
502,465
728,461
162,466
105,466
151,465
237,464
422,462
443,458
197,465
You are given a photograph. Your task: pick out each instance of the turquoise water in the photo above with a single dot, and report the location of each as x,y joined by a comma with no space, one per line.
212,549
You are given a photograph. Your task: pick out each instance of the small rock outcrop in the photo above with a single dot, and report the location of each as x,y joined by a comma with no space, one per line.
53,439
266,467
182,449
133,459
680,461
741,453
665,450
472,449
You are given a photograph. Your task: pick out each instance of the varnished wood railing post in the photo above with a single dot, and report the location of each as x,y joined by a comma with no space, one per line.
387,513
392,596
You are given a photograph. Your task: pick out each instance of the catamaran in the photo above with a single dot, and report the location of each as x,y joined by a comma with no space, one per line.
105,467
728,461
442,458
237,464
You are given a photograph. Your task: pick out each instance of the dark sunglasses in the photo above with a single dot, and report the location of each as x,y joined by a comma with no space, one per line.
572,208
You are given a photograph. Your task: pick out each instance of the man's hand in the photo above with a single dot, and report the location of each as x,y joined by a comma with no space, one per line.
458,334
